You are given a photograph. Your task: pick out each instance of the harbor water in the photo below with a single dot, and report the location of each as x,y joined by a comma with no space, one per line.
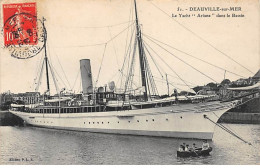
32,145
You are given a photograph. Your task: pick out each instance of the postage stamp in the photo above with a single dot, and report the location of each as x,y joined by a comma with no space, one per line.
23,32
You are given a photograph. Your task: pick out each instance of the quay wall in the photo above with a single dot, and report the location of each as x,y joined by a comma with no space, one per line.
8,119
240,118
247,113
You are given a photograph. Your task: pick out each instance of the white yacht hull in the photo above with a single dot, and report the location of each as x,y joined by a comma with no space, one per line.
180,121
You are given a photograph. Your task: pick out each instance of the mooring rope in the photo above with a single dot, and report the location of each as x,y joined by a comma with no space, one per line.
227,130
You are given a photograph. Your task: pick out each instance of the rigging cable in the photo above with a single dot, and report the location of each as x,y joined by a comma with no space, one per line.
120,33
201,38
132,82
161,68
113,46
100,65
113,76
38,71
227,130
51,66
175,87
192,84
38,68
127,47
168,66
220,120
153,61
131,70
125,53
184,61
150,75
193,56
40,77
62,69
79,46
239,104
162,80
75,79
97,44
53,77
127,60
94,27
80,87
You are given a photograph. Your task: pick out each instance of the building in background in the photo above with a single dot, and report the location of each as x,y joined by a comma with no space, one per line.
256,77
6,97
28,97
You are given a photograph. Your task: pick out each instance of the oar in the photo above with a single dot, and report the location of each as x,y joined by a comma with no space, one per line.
196,152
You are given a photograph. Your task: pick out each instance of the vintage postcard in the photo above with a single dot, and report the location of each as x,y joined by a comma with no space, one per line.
129,82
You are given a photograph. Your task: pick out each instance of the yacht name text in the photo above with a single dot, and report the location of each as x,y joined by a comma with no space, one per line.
200,12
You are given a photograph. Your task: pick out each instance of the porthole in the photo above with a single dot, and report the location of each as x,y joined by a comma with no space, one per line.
97,122
146,120
93,122
84,122
137,120
129,121
166,119
118,122
102,123
181,117
152,119
108,122
89,122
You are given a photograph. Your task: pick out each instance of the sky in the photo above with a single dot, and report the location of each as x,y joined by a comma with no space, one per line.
74,27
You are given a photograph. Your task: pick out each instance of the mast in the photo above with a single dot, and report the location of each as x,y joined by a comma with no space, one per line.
45,58
141,54
167,85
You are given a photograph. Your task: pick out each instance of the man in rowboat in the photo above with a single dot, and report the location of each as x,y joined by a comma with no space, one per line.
194,146
205,145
